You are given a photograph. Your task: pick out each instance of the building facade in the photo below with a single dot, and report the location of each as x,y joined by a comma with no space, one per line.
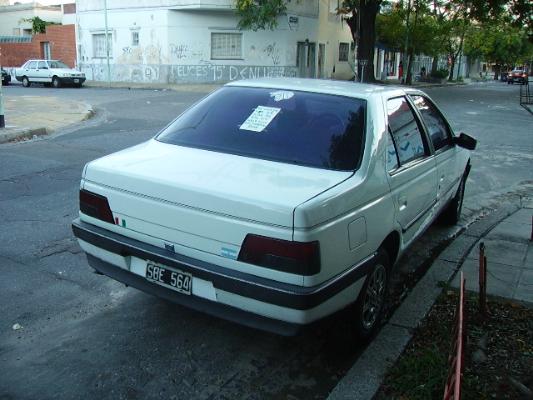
14,18
58,43
194,41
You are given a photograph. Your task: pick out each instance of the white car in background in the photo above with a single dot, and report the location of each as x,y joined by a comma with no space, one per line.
49,72
276,202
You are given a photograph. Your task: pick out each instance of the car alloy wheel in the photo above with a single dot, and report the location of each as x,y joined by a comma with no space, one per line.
25,82
374,297
55,82
369,307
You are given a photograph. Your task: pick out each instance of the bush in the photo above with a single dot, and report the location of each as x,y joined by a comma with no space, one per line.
440,74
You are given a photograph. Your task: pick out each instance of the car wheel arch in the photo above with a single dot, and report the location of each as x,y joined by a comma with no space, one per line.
391,244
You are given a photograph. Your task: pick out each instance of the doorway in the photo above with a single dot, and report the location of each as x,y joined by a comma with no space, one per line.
305,59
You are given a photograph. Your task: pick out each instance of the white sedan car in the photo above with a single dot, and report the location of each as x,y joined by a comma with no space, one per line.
49,72
276,202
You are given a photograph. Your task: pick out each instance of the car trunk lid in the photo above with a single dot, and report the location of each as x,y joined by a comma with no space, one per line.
210,182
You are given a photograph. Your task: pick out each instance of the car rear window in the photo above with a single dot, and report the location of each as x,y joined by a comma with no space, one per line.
310,129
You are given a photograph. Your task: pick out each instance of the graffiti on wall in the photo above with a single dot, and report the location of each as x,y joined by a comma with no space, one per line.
179,51
272,52
201,73
225,73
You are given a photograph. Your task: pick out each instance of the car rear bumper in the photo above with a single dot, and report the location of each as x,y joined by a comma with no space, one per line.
233,295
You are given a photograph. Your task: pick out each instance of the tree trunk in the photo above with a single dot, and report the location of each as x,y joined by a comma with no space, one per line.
409,77
368,11
434,64
450,78
497,69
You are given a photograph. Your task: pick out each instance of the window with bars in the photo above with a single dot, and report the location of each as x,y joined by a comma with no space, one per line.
226,46
134,38
99,50
344,49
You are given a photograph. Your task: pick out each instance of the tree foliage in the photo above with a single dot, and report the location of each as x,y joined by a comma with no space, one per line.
259,14
38,25
499,42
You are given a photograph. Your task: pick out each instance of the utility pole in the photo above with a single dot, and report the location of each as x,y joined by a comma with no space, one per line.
2,119
107,45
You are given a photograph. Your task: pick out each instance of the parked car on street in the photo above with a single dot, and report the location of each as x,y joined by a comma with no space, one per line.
517,75
6,78
276,202
48,72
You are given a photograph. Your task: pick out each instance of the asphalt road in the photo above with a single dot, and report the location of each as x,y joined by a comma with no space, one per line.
85,336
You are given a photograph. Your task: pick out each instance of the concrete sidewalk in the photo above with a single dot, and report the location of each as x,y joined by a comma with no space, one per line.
506,234
29,116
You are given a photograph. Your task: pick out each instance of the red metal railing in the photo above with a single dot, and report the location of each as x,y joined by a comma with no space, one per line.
452,390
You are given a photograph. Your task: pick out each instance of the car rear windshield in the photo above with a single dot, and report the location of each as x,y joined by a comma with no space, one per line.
310,129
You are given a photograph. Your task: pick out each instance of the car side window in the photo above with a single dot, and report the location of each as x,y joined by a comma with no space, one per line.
405,130
42,65
392,155
437,128
32,65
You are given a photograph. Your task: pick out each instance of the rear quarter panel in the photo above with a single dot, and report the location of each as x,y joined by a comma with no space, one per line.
352,219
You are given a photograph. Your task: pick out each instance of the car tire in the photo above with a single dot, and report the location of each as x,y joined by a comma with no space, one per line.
369,308
5,83
452,213
26,82
56,83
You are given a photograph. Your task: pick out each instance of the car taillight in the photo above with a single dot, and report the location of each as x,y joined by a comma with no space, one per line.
283,255
524,76
95,205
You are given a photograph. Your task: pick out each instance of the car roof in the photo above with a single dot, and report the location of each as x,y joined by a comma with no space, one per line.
341,88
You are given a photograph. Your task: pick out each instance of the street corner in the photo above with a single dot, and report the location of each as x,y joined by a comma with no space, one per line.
30,116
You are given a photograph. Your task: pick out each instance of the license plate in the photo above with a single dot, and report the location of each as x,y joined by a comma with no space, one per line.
169,277
76,80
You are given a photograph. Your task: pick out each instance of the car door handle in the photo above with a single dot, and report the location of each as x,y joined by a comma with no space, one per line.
403,203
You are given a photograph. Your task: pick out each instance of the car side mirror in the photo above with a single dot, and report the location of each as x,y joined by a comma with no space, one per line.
465,141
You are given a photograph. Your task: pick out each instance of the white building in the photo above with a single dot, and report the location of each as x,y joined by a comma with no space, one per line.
13,19
174,41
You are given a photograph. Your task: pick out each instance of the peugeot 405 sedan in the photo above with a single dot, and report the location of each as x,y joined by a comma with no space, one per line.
276,202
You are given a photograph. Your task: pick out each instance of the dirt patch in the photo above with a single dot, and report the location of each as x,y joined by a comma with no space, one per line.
498,353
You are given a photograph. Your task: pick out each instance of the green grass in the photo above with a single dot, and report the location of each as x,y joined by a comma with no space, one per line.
421,374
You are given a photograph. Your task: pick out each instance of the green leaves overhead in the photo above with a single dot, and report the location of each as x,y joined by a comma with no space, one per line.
495,30
259,14
498,42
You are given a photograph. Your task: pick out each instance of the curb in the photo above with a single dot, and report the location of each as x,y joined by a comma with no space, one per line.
185,87
15,134
199,86
365,377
